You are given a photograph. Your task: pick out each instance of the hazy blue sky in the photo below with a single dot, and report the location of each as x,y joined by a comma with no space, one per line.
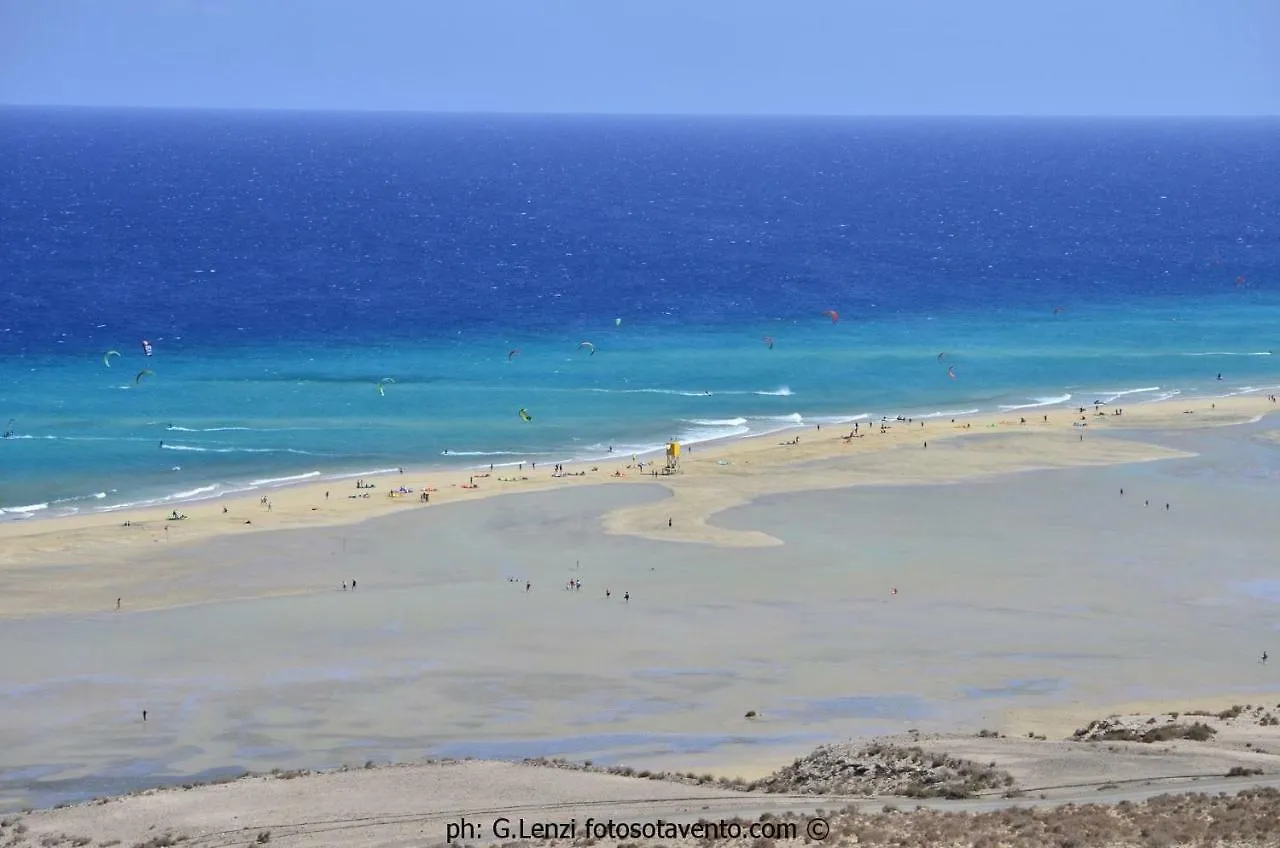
790,56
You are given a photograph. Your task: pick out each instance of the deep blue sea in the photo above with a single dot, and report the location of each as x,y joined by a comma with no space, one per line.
282,265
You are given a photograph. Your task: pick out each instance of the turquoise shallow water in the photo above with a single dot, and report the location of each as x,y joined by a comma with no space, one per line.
89,437
282,265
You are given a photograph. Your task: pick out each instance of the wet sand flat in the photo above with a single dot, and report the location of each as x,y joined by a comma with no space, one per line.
1033,590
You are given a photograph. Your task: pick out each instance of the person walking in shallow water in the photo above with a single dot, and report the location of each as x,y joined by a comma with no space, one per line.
1264,658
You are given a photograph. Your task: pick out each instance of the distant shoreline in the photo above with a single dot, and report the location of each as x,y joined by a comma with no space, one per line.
216,491
331,502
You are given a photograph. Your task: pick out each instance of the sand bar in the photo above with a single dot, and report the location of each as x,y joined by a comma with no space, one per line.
713,477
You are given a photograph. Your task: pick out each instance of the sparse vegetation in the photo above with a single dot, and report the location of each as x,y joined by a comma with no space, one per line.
164,840
1107,730
1246,820
843,770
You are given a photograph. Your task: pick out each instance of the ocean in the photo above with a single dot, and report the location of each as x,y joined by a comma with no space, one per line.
335,294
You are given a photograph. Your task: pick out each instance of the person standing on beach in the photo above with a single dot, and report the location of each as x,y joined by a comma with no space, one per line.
626,597
144,715
117,603
528,586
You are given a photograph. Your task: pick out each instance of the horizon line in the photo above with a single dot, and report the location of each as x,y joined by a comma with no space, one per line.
694,115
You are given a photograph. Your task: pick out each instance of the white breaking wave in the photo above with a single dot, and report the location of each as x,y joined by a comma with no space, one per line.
1037,402
708,434
194,493
198,449
96,496
1230,353
947,413
276,481
1123,392
1243,390
718,422
838,419
653,392
23,510
175,428
487,453
197,494
781,391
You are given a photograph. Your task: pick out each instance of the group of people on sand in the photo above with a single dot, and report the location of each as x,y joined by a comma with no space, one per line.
574,585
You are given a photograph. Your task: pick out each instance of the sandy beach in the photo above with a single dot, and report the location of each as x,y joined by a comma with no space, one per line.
713,477
838,588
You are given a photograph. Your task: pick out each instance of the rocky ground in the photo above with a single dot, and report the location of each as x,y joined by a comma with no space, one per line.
880,768
1249,819
1099,788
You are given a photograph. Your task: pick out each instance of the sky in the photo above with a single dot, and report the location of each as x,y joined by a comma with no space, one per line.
816,57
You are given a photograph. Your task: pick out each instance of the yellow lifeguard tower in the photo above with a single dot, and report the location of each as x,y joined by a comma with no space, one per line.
673,456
